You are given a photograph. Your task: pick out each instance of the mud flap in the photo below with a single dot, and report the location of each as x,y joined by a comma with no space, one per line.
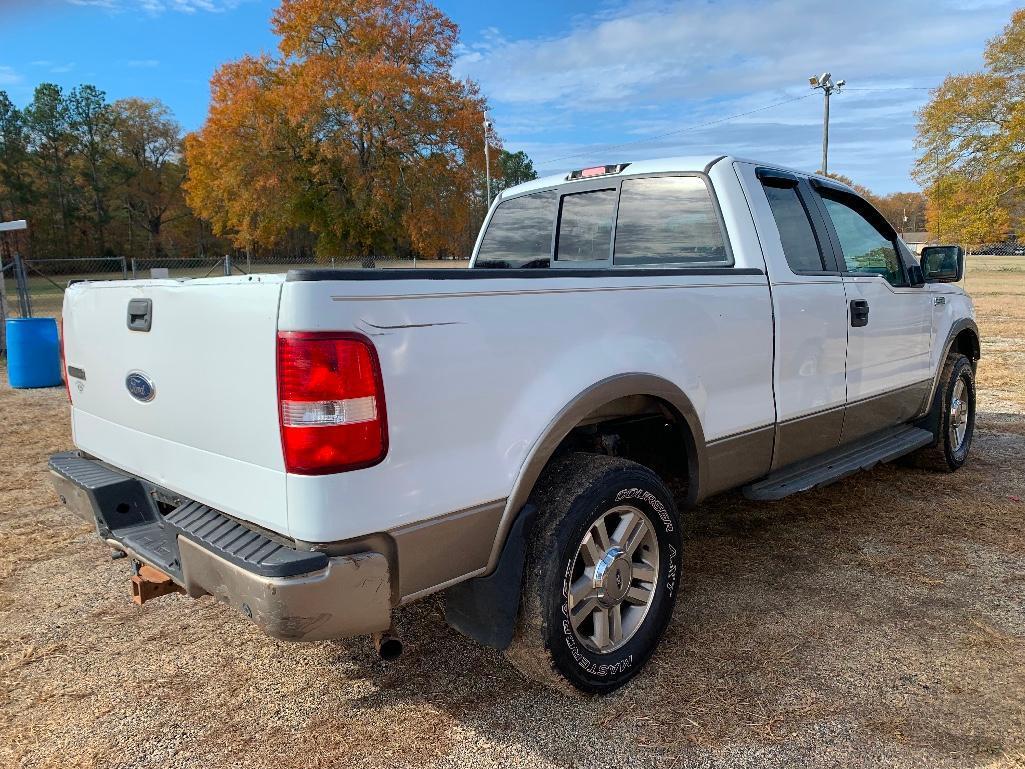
485,608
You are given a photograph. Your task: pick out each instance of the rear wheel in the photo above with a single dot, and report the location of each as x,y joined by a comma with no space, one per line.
601,574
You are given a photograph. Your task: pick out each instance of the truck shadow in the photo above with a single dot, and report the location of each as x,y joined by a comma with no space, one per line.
874,611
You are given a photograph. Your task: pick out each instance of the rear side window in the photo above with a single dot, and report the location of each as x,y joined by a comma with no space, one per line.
519,233
800,246
585,226
667,220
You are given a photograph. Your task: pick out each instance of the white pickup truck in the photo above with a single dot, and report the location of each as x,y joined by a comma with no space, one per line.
318,448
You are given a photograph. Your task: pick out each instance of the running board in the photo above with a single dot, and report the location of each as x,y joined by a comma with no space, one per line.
834,465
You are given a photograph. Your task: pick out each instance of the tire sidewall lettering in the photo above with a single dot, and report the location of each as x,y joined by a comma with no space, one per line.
651,500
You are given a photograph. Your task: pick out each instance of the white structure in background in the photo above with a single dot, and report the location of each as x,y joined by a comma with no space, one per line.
17,225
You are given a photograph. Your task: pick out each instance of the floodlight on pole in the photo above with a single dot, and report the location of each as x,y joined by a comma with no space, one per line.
827,85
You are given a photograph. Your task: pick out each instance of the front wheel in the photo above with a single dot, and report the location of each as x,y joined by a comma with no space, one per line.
602,570
954,408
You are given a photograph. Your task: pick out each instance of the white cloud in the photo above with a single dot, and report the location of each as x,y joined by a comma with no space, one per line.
57,68
643,67
160,6
649,49
9,77
143,63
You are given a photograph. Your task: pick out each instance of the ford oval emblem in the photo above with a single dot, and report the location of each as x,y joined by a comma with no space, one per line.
140,386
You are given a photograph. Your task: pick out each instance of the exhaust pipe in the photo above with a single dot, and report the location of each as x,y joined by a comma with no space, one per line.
388,645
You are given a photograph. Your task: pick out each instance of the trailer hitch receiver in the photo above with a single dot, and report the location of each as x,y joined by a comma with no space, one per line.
149,583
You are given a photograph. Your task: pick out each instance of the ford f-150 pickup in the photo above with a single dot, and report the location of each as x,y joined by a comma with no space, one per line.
318,448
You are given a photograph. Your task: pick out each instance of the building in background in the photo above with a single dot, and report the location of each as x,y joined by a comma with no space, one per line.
918,240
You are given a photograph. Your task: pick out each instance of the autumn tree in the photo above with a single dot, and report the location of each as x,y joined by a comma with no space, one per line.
148,140
356,131
905,211
971,135
97,179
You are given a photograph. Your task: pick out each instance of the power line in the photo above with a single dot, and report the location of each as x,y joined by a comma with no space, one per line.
895,88
687,129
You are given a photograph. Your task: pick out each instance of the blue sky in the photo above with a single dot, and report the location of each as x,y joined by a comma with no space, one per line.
568,79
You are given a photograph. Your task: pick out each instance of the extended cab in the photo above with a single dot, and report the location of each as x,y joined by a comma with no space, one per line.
318,448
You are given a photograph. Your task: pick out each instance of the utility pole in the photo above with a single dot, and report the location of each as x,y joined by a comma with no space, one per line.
825,82
487,157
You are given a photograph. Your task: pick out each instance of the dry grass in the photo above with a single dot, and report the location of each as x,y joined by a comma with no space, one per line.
878,622
997,285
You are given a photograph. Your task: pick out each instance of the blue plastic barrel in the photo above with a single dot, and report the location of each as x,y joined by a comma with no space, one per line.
33,352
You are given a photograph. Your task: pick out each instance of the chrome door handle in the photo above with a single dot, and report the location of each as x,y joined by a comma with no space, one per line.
940,300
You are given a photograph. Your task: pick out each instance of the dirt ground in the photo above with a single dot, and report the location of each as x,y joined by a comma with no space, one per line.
877,622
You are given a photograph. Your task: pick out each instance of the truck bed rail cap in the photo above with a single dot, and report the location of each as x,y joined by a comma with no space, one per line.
508,273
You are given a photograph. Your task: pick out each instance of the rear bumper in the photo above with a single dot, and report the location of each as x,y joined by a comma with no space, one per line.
290,594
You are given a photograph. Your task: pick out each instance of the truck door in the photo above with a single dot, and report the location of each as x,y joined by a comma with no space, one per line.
810,314
890,321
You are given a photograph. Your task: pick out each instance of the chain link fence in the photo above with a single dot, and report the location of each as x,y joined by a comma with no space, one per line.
997,249
35,287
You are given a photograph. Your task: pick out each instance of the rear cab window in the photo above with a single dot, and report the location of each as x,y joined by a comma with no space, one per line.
668,221
801,245
585,226
520,232
665,220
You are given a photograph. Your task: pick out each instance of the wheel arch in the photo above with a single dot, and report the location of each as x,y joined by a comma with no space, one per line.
963,337
591,401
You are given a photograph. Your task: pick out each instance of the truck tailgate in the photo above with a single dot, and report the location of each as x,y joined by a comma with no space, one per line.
210,429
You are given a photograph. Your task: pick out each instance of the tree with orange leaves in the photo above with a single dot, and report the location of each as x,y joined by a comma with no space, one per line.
971,135
357,131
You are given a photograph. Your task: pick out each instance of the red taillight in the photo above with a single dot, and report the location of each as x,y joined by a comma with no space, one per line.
330,402
64,361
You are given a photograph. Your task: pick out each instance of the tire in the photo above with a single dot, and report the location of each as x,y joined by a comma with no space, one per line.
950,451
566,634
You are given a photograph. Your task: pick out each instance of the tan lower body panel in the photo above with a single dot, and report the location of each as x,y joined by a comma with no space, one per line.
435,553
807,436
737,459
350,597
893,408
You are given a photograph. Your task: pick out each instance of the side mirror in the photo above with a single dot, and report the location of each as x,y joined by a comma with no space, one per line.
942,264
